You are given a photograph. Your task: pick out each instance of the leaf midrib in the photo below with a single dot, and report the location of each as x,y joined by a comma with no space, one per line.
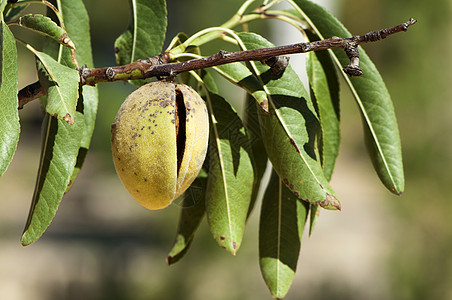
354,92
222,168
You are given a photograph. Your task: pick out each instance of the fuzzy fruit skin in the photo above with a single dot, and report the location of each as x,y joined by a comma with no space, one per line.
144,142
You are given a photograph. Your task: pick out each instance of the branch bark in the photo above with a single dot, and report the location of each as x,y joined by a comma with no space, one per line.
160,65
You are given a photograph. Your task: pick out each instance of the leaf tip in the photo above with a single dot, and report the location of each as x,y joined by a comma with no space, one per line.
26,240
68,119
264,105
169,260
230,247
330,202
65,40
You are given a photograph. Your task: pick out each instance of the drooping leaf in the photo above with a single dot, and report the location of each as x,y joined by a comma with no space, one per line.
240,75
76,21
9,115
372,97
62,85
63,146
45,26
282,221
146,32
58,157
191,215
230,175
259,157
290,131
325,93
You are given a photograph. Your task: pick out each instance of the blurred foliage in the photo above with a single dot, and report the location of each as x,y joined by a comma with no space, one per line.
416,69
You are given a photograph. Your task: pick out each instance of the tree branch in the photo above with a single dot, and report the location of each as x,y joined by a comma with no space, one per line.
160,66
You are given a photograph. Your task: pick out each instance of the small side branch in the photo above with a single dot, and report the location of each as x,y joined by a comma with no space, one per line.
160,65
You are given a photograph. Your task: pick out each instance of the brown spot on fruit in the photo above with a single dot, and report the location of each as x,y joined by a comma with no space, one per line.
155,165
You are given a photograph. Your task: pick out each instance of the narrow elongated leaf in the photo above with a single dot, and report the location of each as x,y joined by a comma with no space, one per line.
61,84
230,175
146,32
9,115
191,215
2,7
241,76
282,221
313,218
372,97
45,26
259,157
76,22
63,146
58,157
325,93
290,131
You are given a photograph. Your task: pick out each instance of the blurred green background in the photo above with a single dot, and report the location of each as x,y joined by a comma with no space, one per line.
103,245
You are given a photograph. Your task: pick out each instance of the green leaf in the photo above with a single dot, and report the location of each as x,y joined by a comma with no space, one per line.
313,218
259,157
63,146
241,76
282,221
9,114
62,85
290,131
46,26
372,97
325,94
15,11
230,175
2,7
191,215
58,156
76,22
146,32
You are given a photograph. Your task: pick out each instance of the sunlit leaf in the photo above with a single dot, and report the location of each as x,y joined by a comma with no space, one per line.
146,32
240,75
282,221
76,22
61,83
60,146
372,97
9,115
230,175
290,131
45,26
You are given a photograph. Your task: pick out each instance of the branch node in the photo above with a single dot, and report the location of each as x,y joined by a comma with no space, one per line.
83,72
110,73
224,54
277,64
351,70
